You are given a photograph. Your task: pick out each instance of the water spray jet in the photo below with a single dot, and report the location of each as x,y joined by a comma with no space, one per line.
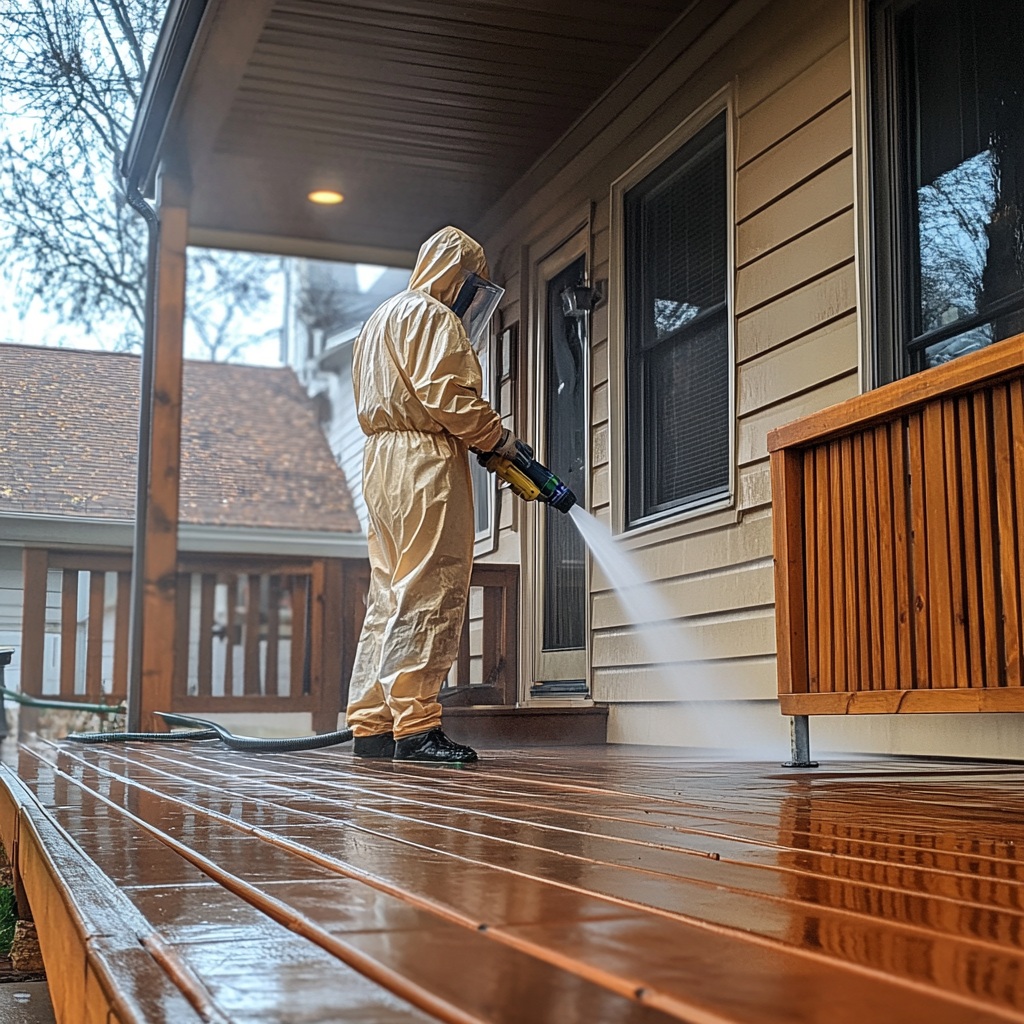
670,655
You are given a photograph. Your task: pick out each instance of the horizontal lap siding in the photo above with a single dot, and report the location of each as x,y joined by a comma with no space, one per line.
797,349
347,436
796,332
10,590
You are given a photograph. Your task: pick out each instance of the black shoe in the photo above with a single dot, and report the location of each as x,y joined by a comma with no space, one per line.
434,747
380,745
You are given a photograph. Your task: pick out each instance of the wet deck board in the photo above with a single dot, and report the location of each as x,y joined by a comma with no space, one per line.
612,884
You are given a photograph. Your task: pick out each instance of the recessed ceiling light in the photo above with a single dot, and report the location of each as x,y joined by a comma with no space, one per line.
325,197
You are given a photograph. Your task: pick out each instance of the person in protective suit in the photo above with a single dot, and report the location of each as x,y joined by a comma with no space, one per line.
418,394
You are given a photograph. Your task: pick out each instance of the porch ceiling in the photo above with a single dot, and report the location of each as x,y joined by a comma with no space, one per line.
420,112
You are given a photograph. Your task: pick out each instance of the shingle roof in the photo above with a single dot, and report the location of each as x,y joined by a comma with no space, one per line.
253,454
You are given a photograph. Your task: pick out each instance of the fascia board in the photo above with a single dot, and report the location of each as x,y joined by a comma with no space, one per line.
17,530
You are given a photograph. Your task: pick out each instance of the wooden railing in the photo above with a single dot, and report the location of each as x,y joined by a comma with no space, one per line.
899,542
64,654
253,633
487,669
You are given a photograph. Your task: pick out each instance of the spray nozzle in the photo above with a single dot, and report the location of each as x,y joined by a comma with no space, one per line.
528,478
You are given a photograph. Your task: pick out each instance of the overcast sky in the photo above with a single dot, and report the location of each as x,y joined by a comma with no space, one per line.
38,327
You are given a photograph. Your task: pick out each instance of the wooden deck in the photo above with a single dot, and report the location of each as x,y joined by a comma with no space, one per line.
592,885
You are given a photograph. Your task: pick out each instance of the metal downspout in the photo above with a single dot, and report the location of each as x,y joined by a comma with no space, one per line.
134,695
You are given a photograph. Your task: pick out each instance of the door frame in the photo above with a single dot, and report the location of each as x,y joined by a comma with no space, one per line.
547,257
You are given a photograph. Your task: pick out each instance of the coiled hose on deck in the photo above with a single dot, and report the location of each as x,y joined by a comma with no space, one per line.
201,729
326,739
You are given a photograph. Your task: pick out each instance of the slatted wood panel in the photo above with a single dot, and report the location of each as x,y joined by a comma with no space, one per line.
497,641
909,592
540,886
94,645
251,634
246,637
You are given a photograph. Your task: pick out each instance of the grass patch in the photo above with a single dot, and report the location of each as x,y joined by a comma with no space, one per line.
8,919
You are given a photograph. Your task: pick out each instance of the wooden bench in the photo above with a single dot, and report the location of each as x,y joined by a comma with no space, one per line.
899,545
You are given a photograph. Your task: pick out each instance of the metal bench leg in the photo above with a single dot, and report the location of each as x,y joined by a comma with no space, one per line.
800,743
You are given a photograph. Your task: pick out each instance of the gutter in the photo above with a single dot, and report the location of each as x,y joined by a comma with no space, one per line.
18,530
160,89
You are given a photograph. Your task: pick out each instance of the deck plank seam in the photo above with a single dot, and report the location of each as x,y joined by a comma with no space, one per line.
631,989
282,913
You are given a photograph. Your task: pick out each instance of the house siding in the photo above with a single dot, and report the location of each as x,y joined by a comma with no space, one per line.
798,337
10,611
344,435
788,70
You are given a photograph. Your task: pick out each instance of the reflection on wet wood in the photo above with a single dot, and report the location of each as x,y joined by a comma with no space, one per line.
614,884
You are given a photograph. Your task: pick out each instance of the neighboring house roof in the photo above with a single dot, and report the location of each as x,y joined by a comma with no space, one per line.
253,454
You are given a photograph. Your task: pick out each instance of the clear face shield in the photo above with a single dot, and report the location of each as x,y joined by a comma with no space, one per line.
475,305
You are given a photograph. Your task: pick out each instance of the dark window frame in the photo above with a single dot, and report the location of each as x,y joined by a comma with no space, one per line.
484,484
640,507
897,352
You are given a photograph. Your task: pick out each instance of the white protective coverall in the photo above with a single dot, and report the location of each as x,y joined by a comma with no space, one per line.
417,386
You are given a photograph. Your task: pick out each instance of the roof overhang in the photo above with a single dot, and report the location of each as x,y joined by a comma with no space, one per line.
421,113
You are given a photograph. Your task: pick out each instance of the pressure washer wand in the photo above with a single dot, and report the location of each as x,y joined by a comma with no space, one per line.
528,478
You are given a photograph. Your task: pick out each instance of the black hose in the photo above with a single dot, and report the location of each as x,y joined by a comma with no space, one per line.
60,705
257,743
198,729
181,736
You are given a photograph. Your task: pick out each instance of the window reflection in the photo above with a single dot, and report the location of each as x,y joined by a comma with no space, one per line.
960,76
953,213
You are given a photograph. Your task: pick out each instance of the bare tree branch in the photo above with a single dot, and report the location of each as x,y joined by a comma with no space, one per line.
71,72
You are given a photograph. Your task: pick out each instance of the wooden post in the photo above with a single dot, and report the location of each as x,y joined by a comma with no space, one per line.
511,637
68,632
33,621
355,587
121,617
326,631
94,637
160,571
790,623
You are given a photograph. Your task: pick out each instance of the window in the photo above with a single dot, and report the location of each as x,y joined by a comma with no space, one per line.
677,331
564,453
484,489
949,176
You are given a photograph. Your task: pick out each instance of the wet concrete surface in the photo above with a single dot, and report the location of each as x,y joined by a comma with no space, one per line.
25,1003
610,884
